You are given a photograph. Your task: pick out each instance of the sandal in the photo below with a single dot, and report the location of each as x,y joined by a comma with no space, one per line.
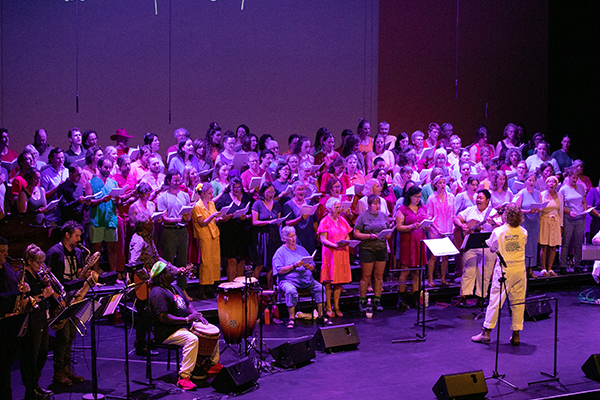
291,324
551,273
329,313
338,313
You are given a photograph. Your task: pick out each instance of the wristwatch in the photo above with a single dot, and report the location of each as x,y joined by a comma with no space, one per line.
187,320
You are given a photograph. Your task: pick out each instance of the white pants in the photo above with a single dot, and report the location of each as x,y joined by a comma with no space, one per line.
516,286
471,275
189,342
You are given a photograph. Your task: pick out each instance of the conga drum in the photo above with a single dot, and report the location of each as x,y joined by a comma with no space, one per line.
233,301
208,337
252,281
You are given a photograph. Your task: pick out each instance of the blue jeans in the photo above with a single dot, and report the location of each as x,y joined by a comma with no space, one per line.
291,291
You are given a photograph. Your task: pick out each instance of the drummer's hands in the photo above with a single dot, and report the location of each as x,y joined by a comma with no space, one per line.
196,316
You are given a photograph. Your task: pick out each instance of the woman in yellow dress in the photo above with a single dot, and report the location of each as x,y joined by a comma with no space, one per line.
206,231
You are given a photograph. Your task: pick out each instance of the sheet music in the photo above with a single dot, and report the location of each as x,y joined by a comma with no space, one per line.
279,220
350,243
538,206
308,259
226,209
308,210
255,182
239,213
441,247
345,205
385,233
112,304
116,192
186,209
157,215
239,160
426,223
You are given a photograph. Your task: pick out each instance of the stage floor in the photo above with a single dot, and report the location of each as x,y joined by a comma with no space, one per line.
378,369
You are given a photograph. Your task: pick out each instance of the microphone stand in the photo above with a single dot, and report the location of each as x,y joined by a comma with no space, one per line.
495,374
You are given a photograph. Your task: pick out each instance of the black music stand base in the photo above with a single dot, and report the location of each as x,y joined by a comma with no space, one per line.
420,310
551,378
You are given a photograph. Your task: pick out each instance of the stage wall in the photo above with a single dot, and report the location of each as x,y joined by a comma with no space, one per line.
280,67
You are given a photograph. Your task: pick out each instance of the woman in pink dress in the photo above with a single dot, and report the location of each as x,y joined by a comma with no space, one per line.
410,252
335,268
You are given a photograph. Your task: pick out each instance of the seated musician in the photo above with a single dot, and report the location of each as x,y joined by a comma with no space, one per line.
477,218
142,249
172,314
293,274
66,260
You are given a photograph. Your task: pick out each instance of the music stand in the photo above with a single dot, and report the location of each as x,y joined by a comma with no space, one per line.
131,267
102,306
553,376
477,241
420,313
69,312
439,248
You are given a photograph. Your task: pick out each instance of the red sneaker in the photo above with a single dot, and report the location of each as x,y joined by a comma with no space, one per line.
215,369
186,383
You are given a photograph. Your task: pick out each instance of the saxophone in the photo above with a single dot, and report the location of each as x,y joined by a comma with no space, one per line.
90,261
18,308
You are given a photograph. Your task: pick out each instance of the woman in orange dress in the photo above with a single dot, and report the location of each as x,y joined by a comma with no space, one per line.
335,268
204,215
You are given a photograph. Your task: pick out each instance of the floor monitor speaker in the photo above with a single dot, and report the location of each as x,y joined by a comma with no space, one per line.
591,368
465,386
334,338
236,377
294,354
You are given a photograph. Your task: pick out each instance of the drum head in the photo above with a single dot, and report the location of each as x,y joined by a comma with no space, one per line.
206,329
242,279
231,286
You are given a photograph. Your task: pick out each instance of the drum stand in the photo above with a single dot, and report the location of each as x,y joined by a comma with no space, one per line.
250,344
245,297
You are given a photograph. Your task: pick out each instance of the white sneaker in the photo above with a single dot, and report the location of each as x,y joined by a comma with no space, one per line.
483,337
